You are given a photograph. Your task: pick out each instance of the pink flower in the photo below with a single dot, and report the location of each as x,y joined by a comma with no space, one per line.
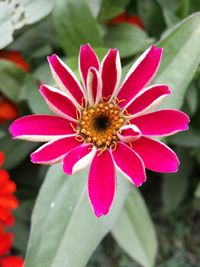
103,123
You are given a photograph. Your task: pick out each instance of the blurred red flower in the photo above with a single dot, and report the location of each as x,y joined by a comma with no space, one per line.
15,57
126,18
6,260
8,201
8,110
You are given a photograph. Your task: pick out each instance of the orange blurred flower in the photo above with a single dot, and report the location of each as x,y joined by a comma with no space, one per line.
15,57
8,201
6,260
8,110
126,18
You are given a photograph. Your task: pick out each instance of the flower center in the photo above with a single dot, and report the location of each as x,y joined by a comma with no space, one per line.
99,125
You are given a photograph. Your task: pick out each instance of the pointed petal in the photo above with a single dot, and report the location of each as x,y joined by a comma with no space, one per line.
59,103
162,122
111,73
54,151
140,74
128,133
133,168
66,79
78,158
149,98
87,59
94,86
40,128
101,183
156,156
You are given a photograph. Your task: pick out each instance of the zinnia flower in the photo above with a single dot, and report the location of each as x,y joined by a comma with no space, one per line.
104,125
8,201
6,260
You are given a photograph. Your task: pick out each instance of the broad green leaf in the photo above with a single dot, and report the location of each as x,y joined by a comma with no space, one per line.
15,14
21,227
174,10
171,198
112,8
6,26
11,80
190,138
34,98
95,6
75,25
180,45
35,10
129,39
33,40
43,74
134,230
16,151
151,15
64,230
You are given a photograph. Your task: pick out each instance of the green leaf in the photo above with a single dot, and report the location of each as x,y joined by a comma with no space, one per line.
35,10
65,231
33,40
11,80
180,45
171,198
75,25
21,227
129,39
174,10
190,138
15,14
34,98
112,8
6,27
95,6
151,15
16,151
134,230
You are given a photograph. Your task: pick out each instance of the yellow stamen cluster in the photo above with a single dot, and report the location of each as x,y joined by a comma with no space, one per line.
99,124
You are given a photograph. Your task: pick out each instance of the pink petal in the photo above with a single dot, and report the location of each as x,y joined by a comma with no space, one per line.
78,158
128,133
101,183
65,78
54,151
162,122
148,99
129,163
87,59
40,128
94,86
58,102
110,72
156,155
140,74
